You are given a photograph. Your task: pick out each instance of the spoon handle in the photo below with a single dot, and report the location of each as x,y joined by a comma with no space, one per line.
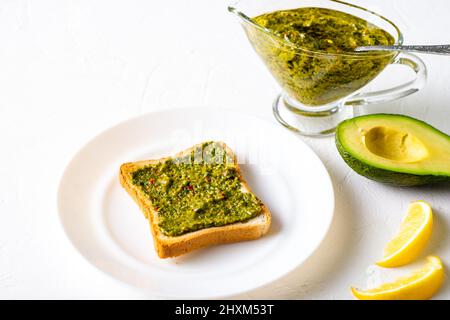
443,49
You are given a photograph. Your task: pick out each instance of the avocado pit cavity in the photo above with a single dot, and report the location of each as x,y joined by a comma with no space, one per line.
394,145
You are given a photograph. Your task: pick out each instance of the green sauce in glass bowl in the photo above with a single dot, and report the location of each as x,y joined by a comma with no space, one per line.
310,52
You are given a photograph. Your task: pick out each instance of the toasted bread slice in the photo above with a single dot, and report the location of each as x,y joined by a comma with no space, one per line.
171,246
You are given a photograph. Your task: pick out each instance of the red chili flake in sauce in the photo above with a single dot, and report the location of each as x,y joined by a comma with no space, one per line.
190,188
151,181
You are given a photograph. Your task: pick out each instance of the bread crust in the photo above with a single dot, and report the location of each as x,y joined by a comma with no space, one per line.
167,246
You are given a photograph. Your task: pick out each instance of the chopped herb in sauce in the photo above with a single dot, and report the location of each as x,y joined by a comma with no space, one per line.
197,191
319,79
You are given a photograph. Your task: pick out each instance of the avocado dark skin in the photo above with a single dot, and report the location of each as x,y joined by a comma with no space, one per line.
385,176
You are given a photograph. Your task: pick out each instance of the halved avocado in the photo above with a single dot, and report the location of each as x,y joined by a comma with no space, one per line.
395,149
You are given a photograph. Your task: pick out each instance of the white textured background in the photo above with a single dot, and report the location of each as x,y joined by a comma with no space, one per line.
70,69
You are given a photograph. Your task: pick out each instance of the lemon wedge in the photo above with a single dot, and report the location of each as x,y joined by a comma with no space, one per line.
415,231
420,285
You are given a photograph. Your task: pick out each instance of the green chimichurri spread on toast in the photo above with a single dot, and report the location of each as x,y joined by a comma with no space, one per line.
198,190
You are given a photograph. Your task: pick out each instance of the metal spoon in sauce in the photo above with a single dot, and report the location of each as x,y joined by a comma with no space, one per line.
443,49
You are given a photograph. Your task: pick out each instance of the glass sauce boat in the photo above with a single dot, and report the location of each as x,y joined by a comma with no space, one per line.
313,103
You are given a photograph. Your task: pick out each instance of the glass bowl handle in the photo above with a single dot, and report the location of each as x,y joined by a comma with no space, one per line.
400,91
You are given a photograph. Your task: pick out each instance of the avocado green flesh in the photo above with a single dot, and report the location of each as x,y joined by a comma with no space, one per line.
309,53
199,190
395,149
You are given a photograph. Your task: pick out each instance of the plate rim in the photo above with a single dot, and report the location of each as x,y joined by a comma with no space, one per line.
72,158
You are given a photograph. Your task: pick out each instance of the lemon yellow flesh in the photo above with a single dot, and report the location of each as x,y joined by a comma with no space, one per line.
415,231
420,285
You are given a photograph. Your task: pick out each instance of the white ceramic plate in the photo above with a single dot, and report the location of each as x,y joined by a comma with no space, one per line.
108,229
